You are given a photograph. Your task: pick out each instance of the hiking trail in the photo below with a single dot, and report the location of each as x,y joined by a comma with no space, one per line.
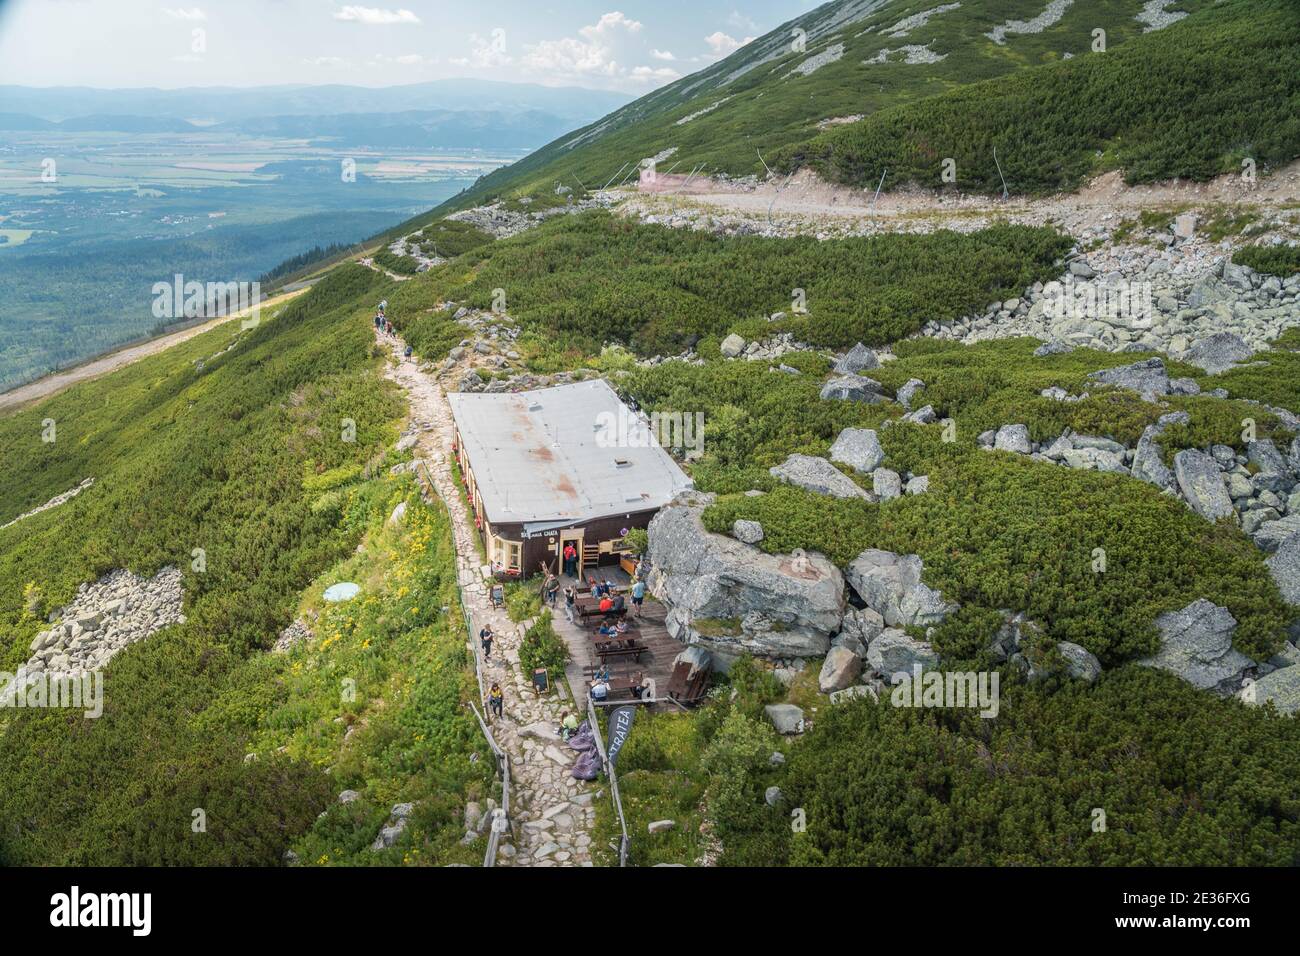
551,813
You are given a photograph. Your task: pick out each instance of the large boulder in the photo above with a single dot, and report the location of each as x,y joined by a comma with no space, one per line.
732,346
856,359
1218,353
1284,565
1273,534
894,652
1202,484
1012,438
840,670
1148,378
732,598
890,584
859,448
1273,471
1148,459
853,388
1196,645
818,475
1281,686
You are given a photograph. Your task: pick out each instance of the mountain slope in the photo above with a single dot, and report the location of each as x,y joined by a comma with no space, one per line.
843,60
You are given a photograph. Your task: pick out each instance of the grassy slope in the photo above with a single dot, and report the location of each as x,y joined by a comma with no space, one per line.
1190,101
244,458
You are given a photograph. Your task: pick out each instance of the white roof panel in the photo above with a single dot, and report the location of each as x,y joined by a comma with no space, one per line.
569,453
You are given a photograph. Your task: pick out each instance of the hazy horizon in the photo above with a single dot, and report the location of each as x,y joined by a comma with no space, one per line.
631,47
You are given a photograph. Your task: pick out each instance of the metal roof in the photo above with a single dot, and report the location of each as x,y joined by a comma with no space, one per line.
562,455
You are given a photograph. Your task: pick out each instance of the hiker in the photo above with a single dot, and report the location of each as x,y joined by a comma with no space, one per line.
485,638
599,689
638,595
606,605
568,724
570,559
552,589
619,603
570,596
496,699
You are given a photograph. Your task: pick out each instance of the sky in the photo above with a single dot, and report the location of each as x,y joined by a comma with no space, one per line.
632,46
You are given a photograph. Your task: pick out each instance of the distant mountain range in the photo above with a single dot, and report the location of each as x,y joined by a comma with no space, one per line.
207,105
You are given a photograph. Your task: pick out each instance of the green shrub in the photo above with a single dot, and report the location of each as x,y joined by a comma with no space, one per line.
1275,260
542,647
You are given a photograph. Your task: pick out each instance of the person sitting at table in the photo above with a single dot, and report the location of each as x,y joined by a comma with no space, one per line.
620,626
606,630
619,604
602,674
599,689
606,604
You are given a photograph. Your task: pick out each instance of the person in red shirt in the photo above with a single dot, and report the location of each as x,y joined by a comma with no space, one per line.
570,559
606,604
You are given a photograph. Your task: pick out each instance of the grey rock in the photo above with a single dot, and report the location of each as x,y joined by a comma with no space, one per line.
1201,483
909,389
1079,662
732,345
856,359
1014,438
886,484
1281,687
840,669
894,652
1274,470
787,606
659,826
1080,268
1053,348
1196,645
1148,378
817,475
750,532
772,796
925,415
1218,353
786,718
1284,566
1273,534
918,485
853,388
890,584
859,448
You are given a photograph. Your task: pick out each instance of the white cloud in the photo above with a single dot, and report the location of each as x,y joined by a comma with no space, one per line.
608,23
333,62
180,13
374,16
721,44
486,52
597,55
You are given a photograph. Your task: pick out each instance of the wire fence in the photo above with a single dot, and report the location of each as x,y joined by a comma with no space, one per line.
501,816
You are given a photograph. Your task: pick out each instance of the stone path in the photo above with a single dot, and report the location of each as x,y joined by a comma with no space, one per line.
551,813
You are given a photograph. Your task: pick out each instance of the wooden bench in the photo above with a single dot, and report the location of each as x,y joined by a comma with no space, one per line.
633,651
